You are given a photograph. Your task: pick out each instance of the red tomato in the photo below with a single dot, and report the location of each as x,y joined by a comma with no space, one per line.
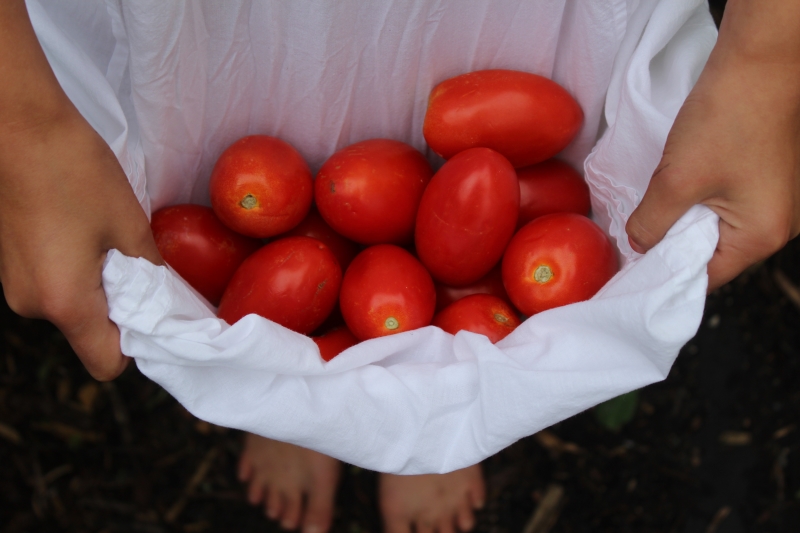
200,248
385,291
478,313
314,226
261,186
369,191
525,117
467,216
557,260
491,283
293,281
334,342
551,187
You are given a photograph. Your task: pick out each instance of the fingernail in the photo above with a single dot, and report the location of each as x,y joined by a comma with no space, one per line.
479,504
635,247
272,514
311,528
466,524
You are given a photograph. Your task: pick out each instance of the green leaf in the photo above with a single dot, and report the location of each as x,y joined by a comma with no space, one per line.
616,412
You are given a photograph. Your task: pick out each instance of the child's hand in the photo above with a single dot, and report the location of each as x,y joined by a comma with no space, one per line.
735,145
64,202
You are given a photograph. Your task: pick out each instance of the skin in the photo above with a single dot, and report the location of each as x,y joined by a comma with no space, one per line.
297,488
64,202
735,145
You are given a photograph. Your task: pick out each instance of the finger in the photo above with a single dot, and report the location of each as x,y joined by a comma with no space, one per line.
667,198
737,249
93,336
445,525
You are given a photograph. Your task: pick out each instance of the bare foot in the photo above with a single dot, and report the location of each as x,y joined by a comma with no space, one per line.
284,477
432,502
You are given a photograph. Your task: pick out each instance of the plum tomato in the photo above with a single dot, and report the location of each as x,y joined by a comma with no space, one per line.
334,342
526,117
556,260
478,313
551,186
491,283
369,191
386,290
314,226
200,248
261,186
467,215
292,281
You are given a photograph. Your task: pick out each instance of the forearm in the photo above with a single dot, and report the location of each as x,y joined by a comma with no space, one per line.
30,94
762,32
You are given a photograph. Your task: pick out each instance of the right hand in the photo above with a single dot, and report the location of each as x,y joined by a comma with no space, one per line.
64,202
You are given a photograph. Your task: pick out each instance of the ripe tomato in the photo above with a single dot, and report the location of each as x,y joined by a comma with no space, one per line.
314,226
491,283
292,281
557,260
200,248
467,216
334,342
525,117
260,186
385,291
369,191
478,313
551,187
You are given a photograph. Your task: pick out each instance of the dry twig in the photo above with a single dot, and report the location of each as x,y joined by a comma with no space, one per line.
546,513
199,475
789,289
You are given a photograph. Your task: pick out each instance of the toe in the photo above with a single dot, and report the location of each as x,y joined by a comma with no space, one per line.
245,468
446,525
274,504
319,509
395,524
465,518
293,505
255,491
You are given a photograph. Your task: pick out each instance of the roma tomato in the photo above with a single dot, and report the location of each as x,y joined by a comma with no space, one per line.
467,216
200,248
334,342
369,191
557,260
525,117
478,313
293,281
314,226
386,291
551,187
491,283
260,186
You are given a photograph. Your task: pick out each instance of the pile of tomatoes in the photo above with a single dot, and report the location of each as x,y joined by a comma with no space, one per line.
500,231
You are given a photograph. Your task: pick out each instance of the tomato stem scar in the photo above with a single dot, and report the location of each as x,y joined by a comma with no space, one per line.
391,323
542,274
500,318
249,201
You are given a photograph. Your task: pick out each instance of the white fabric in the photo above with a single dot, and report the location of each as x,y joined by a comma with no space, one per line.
170,84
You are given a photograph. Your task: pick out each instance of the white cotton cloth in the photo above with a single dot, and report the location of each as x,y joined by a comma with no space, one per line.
170,84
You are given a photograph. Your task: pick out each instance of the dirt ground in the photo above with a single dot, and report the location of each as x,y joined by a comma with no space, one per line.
715,448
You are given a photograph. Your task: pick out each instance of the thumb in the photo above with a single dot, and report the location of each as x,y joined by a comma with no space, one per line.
667,198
